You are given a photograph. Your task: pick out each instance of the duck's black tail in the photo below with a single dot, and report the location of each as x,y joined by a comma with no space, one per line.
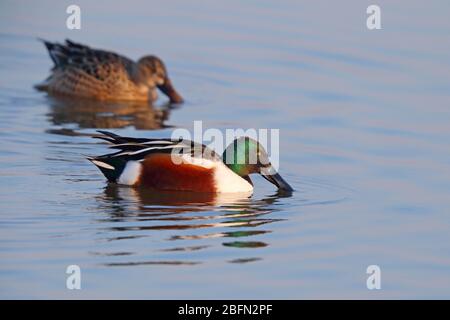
61,53
58,53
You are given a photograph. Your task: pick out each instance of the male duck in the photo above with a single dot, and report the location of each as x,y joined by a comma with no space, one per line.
183,165
81,71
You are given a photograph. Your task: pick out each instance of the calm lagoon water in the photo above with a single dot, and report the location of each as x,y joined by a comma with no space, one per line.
364,119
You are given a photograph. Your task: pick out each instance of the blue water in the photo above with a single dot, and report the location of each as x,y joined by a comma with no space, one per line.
365,141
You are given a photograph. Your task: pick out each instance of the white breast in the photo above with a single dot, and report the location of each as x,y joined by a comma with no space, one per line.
228,181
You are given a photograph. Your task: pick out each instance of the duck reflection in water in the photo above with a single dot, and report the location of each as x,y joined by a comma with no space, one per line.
106,115
187,216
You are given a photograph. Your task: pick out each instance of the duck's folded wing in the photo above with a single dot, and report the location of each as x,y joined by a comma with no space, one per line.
139,148
94,62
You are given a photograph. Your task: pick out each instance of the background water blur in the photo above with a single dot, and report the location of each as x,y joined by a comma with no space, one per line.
365,140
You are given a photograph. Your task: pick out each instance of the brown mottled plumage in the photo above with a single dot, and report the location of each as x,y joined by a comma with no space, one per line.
81,71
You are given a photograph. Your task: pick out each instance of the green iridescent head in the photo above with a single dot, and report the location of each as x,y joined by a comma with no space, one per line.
246,156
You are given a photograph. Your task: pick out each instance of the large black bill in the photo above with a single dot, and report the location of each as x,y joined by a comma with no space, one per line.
168,89
277,180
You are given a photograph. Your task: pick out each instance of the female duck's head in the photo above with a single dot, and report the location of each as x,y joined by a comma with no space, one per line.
153,72
246,156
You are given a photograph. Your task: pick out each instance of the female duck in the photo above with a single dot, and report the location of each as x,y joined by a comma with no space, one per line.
180,165
83,72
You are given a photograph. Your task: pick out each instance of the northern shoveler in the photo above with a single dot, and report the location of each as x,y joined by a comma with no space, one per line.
181,165
81,71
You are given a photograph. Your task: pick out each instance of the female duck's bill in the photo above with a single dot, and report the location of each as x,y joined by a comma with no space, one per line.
182,165
169,90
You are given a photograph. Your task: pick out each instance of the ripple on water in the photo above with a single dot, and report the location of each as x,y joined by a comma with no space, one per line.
199,222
